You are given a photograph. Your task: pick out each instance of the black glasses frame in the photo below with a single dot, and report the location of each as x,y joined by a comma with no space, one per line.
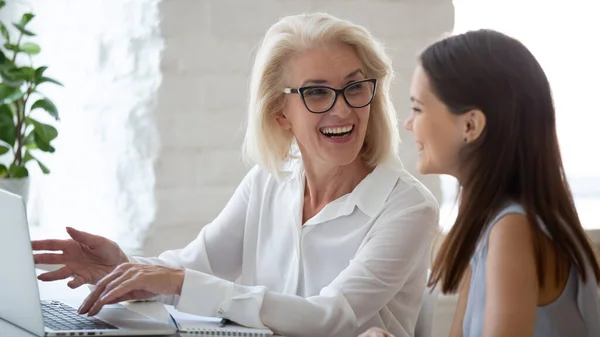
338,92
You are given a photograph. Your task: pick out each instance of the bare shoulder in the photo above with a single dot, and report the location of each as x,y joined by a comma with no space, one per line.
511,283
511,257
513,231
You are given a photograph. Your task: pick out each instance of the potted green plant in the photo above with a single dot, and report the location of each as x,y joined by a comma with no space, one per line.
22,135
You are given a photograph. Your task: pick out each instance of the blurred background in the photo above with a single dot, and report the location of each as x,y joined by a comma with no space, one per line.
154,97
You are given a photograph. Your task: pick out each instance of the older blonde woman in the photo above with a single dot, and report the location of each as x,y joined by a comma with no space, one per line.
327,235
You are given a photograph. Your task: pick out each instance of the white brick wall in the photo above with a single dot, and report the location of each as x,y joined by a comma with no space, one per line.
107,54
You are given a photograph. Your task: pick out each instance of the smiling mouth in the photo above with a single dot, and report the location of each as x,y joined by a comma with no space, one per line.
337,132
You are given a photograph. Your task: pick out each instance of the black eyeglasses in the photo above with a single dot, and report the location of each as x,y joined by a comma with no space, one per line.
320,99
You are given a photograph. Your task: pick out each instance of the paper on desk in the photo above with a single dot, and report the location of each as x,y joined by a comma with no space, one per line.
192,323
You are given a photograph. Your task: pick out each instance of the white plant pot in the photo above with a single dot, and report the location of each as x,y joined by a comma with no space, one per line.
17,186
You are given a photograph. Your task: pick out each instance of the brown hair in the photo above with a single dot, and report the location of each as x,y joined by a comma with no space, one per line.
516,158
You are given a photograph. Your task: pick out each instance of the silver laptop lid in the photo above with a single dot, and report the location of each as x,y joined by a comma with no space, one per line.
19,294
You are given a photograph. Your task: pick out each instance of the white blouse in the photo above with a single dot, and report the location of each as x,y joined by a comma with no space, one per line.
360,262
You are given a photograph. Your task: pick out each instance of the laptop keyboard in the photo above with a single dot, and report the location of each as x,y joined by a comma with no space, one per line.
59,316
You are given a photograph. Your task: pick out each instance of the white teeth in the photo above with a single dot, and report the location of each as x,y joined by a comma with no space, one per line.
337,131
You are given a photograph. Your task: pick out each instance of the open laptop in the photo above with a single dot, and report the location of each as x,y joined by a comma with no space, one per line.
19,294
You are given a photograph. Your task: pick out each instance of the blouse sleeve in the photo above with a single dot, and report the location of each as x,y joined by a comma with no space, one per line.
218,248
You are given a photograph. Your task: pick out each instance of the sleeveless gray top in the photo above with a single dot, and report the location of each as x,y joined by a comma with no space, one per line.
575,313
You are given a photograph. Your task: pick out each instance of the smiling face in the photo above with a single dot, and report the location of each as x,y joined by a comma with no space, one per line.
439,134
335,137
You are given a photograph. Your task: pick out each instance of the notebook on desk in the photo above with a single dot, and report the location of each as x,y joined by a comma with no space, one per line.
209,326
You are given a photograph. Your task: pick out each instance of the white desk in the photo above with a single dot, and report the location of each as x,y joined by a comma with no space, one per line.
59,291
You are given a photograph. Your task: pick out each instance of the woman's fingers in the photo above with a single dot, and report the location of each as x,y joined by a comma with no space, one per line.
49,258
91,299
90,240
77,282
131,281
51,244
101,287
60,274
123,287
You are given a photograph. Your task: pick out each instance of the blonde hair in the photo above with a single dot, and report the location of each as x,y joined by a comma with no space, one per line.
268,145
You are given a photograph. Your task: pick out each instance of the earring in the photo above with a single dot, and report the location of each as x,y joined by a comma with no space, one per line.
466,140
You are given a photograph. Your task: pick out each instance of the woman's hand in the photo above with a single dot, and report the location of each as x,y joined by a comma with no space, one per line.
133,282
376,332
87,257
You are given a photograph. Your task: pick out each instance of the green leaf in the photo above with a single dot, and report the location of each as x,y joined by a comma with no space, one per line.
4,32
16,96
10,81
48,131
48,79
3,59
2,3
39,72
26,18
10,107
7,125
3,150
17,171
9,94
22,29
43,135
47,105
6,65
30,48
10,74
29,141
13,83
29,138
3,171
21,73
40,78
43,167
5,92
11,46
43,146
27,157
